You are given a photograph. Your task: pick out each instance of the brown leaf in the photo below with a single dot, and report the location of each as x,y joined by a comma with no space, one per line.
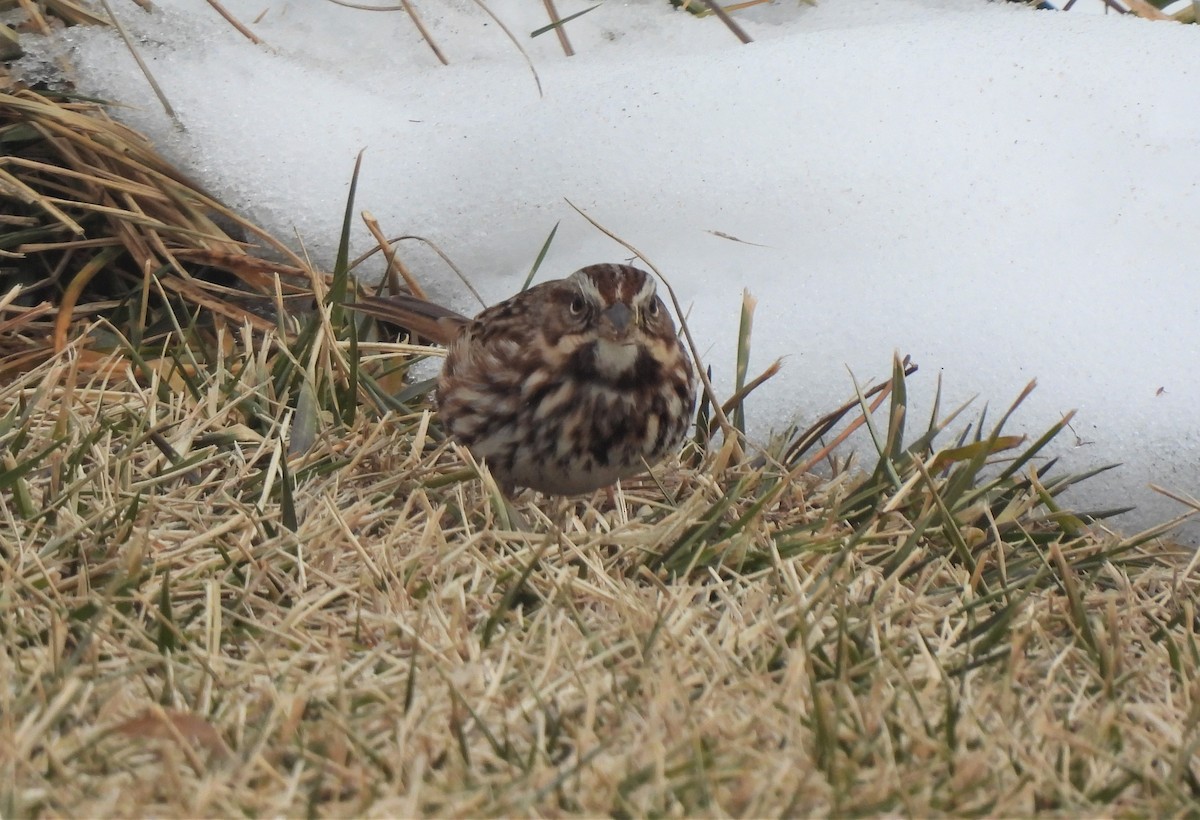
168,724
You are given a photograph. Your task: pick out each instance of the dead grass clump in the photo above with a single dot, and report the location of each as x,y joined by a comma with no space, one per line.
97,223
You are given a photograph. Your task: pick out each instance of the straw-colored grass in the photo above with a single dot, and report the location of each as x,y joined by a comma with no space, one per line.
173,645
242,572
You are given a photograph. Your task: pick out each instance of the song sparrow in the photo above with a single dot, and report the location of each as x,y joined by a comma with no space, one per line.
563,388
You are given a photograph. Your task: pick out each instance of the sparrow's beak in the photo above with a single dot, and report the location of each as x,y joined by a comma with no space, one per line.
619,315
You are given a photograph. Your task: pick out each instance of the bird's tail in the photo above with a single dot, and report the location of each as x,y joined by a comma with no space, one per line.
424,318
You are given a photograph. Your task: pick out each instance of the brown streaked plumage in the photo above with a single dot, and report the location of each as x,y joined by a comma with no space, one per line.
563,388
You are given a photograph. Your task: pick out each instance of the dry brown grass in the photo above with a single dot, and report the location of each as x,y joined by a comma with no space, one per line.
171,647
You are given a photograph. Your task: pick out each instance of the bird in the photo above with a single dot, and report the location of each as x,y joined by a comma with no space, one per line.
564,388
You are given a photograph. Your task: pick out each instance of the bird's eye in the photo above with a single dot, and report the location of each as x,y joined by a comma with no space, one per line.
653,309
577,306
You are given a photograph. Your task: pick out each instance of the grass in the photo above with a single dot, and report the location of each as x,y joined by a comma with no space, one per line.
242,572
197,623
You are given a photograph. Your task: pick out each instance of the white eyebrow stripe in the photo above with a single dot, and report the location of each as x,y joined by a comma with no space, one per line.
590,291
646,293
620,284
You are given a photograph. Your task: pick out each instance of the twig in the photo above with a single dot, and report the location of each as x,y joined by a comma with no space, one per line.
515,42
416,18
363,7
1143,9
737,30
158,92
34,15
394,263
433,245
558,28
236,23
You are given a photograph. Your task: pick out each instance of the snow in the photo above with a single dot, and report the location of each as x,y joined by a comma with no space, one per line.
1003,194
